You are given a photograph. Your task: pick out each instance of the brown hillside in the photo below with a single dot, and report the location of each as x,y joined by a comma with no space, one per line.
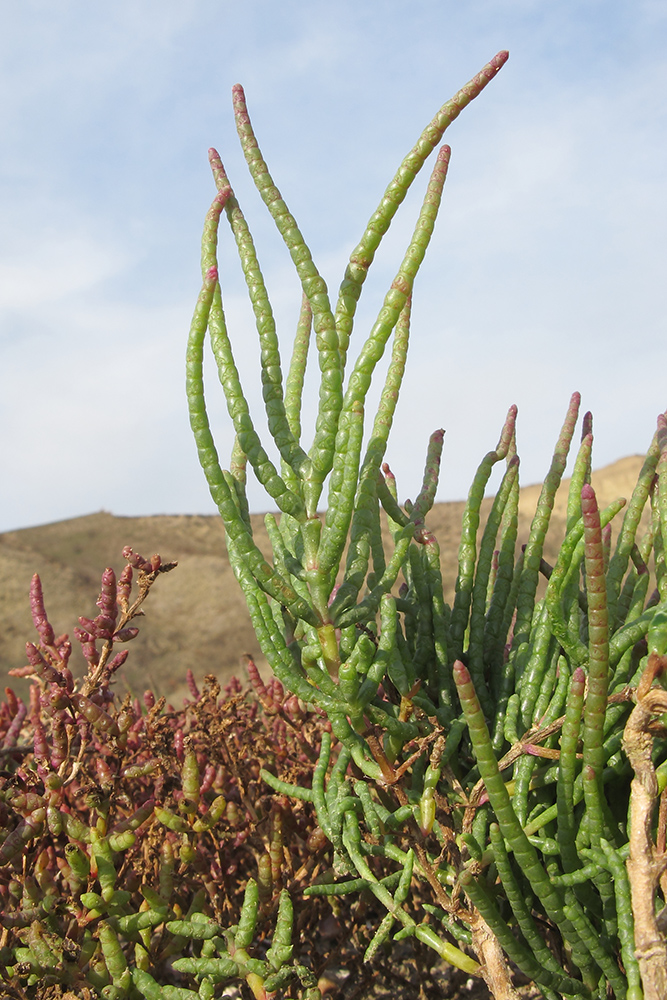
195,616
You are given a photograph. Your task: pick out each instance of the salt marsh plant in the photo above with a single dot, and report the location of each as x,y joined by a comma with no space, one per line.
475,778
139,856
481,779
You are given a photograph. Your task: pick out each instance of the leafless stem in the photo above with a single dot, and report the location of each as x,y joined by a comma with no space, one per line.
493,963
645,863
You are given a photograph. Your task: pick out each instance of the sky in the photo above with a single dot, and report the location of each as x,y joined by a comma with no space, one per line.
545,273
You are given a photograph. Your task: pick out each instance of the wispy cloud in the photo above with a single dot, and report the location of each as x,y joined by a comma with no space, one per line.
544,274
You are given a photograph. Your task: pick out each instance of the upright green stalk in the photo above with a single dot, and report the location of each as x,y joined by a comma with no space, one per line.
598,668
364,253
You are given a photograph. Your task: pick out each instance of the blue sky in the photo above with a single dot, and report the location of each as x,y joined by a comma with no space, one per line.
545,273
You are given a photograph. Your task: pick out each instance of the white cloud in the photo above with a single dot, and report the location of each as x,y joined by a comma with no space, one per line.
544,274
61,265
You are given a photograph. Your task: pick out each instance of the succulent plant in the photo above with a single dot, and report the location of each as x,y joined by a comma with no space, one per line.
139,853
481,779
477,749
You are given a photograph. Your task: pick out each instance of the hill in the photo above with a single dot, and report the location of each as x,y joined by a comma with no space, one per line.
195,616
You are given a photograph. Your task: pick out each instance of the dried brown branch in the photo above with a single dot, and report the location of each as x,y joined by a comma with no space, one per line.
645,862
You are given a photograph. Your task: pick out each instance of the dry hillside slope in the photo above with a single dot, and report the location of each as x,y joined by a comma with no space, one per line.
196,616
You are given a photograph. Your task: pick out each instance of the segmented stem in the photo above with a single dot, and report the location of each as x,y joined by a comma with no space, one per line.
363,254
598,663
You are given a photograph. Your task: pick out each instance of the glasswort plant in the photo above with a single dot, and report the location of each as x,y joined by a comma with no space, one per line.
476,778
140,855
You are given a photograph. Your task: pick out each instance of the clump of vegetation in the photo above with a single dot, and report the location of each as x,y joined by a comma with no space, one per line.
142,853
139,845
480,780
487,750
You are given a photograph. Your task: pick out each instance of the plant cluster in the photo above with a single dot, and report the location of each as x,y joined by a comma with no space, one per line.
487,749
480,779
140,854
